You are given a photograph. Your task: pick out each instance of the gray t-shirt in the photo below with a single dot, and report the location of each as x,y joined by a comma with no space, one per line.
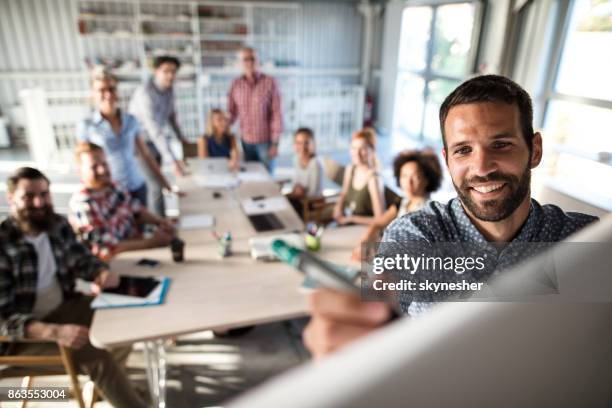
48,290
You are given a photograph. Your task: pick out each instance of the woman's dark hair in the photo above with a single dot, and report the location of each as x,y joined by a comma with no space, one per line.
427,162
491,88
307,131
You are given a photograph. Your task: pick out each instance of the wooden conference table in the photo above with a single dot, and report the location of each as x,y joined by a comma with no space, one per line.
206,290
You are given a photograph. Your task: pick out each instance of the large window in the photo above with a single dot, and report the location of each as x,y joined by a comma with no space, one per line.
437,51
578,114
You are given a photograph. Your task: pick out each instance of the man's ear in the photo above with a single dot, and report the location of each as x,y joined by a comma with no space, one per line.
536,150
9,198
444,154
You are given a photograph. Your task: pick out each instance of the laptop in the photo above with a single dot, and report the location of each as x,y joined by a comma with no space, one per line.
266,222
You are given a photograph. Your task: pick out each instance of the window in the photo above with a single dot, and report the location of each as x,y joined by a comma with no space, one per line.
579,103
437,51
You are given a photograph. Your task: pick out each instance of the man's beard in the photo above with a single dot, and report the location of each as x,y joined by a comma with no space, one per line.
500,208
35,220
100,183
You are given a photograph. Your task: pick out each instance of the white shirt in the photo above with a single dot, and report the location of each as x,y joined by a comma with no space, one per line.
48,290
309,177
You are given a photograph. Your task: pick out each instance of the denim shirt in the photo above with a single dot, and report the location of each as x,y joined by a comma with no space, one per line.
119,148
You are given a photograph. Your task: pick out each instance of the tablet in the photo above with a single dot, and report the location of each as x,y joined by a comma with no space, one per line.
134,286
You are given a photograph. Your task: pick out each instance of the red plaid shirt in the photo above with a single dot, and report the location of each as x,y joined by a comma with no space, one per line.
257,106
103,218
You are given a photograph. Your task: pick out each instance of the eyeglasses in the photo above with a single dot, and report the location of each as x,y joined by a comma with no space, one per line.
109,89
249,59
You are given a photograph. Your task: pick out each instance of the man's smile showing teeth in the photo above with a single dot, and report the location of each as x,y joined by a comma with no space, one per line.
488,188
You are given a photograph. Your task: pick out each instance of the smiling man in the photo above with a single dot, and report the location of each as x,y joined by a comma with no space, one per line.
490,148
40,259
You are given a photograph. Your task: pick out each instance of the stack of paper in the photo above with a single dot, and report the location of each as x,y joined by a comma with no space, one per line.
264,205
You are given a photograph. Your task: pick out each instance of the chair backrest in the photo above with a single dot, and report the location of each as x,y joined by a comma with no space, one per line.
333,170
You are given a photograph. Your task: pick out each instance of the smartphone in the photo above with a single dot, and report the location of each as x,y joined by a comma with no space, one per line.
149,263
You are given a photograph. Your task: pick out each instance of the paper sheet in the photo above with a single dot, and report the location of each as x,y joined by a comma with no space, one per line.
216,180
253,176
196,221
264,205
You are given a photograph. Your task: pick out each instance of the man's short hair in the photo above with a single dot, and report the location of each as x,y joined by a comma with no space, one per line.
427,162
102,73
28,173
491,88
86,147
163,59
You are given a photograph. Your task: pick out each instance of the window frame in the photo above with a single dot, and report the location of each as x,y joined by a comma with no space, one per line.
428,74
550,94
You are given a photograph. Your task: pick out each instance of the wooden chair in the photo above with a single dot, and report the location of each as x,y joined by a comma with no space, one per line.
29,367
319,209
190,150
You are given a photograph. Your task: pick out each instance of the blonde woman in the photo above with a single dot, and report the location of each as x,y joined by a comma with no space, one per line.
218,142
361,200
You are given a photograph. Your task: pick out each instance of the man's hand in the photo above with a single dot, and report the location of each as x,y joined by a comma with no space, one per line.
106,279
160,238
167,226
356,254
340,318
180,168
273,151
71,335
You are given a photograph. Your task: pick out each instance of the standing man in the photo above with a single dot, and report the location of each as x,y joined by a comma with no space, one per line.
254,100
153,106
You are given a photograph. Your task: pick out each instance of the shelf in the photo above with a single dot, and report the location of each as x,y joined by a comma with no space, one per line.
280,38
234,20
160,19
101,36
224,37
167,36
105,17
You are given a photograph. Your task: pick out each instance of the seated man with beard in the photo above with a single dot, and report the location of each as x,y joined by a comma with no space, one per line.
104,215
490,148
40,258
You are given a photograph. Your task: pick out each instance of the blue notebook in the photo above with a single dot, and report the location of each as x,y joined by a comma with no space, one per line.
134,291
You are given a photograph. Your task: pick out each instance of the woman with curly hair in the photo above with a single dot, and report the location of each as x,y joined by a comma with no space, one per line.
418,174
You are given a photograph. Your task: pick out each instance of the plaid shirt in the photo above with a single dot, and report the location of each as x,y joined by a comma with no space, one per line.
103,218
19,271
257,106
